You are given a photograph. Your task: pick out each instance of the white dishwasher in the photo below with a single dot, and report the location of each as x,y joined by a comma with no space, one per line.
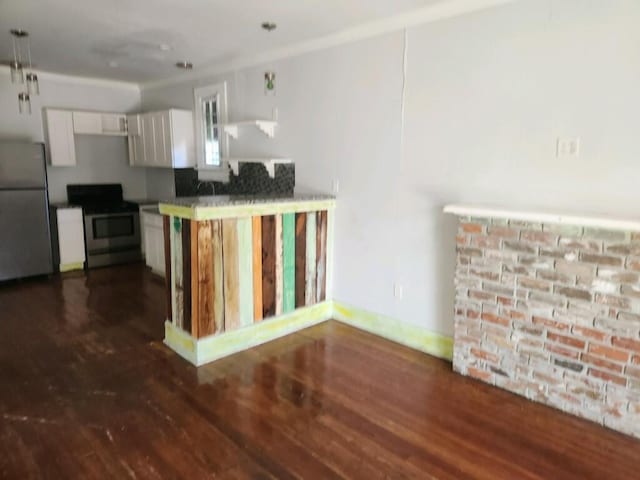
153,238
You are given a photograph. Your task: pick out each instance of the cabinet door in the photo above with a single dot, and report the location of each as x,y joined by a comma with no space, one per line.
162,132
70,236
60,142
134,140
88,123
114,124
148,140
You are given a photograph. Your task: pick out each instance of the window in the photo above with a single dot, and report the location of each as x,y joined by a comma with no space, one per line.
210,111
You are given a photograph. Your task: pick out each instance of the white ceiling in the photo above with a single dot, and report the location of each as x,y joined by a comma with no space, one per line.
81,37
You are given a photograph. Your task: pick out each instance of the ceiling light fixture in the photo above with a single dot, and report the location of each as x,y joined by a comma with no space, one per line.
184,65
269,26
17,70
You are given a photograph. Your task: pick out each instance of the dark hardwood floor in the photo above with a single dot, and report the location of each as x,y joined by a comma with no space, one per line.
88,390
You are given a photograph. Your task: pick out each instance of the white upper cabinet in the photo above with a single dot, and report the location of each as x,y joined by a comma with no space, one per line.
162,139
87,123
114,124
61,149
97,123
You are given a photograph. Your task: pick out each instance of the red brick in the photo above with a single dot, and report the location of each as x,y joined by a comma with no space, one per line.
636,360
560,350
589,333
550,323
490,317
473,314
489,357
483,241
609,352
547,379
462,240
601,363
538,237
471,227
478,295
626,343
479,374
503,232
509,302
534,284
609,377
516,315
570,341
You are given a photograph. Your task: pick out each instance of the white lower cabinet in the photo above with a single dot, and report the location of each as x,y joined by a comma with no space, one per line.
70,227
153,241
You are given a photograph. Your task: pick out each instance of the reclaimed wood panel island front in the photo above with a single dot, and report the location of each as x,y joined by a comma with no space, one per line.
244,270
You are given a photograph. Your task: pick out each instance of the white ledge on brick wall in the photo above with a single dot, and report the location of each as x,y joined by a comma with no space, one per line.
604,222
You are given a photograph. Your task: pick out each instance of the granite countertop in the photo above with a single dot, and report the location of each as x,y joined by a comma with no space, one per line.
230,206
245,200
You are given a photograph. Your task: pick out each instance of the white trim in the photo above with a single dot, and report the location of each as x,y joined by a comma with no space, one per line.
200,93
428,14
605,222
77,80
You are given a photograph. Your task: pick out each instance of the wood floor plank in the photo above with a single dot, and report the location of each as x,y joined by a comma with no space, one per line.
90,391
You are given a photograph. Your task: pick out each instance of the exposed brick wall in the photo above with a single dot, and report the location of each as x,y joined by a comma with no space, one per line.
552,312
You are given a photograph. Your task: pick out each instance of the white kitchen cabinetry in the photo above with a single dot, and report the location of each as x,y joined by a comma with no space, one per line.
87,123
97,123
114,124
61,151
153,239
162,139
70,229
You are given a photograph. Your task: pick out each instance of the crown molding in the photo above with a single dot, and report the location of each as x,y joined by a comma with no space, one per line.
77,80
428,14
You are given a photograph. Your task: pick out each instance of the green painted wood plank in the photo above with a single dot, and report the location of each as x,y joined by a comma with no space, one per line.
245,270
289,262
310,292
279,281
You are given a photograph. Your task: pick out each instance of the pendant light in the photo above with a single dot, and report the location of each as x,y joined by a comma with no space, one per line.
17,73
24,103
32,79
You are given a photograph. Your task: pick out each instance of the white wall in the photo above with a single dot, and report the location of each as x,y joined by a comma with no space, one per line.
487,95
99,159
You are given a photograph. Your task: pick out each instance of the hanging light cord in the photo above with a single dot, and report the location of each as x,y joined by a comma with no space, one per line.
29,52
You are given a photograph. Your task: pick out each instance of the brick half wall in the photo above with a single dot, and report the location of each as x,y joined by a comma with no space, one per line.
552,312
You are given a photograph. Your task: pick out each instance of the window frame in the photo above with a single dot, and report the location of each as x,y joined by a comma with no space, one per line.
200,94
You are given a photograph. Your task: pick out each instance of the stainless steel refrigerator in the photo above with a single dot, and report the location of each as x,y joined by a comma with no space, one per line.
25,242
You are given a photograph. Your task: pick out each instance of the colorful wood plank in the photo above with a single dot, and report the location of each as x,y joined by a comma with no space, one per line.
321,255
310,280
218,275
289,262
268,266
168,277
256,234
301,259
231,275
245,271
206,321
195,284
186,275
178,299
278,253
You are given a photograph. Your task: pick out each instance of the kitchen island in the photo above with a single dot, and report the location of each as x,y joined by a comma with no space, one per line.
243,270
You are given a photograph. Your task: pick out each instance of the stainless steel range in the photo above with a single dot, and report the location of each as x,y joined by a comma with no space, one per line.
111,225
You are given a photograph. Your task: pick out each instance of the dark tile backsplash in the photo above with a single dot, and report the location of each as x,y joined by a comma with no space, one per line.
253,179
